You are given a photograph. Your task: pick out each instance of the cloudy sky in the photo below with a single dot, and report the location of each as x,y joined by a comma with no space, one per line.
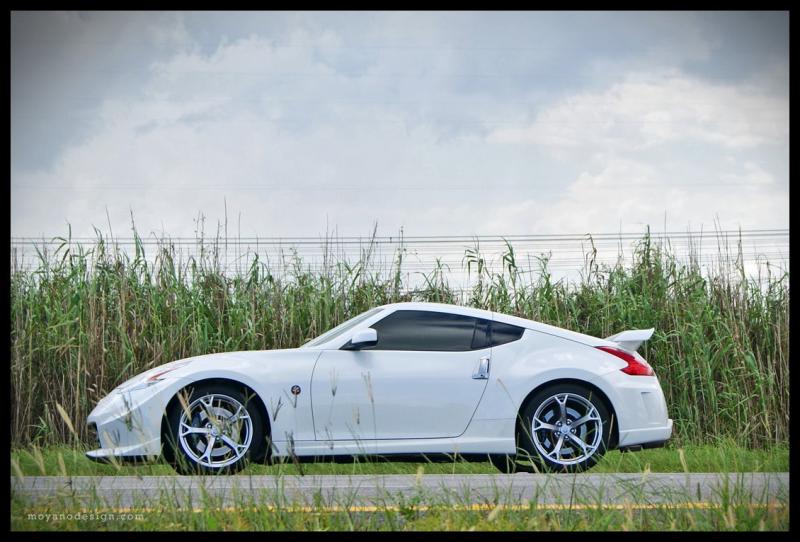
440,123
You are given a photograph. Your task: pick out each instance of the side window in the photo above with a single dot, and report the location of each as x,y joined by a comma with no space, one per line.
425,330
505,333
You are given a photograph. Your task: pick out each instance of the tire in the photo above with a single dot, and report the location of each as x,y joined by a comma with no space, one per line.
224,415
581,445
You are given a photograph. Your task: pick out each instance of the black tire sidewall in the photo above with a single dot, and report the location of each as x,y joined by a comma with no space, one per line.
174,452
524,438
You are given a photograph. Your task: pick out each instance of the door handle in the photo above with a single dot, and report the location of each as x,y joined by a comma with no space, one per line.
482,373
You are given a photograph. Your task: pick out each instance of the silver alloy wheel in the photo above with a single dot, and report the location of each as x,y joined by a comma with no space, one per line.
566,429
215,431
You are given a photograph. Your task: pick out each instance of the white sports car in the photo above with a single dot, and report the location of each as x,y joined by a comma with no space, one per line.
399,380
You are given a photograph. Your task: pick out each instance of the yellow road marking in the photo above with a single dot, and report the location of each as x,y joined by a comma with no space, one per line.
423,508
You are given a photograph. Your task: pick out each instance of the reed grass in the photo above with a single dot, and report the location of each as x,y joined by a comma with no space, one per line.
86,318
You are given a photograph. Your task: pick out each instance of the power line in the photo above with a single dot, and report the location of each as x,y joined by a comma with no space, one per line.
283,188
745,233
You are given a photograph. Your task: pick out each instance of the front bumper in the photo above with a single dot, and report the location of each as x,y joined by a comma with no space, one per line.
127,424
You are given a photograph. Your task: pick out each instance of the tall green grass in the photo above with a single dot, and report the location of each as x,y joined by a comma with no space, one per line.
85,318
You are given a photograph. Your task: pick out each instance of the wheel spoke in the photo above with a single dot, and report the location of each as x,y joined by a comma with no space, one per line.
237,448
209,447
582,444
592,416
562,408
539,424
187,429
208,408
240,414
557,449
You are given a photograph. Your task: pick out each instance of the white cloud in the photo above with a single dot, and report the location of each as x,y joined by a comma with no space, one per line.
753,176
627,195
169,30
330,146
650,109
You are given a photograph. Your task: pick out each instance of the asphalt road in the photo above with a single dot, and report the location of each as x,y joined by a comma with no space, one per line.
338,491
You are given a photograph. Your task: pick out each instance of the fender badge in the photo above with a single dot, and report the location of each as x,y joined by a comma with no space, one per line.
296,390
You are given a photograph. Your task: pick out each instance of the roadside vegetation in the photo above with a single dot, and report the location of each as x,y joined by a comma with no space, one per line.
730,505
86,318
721,457
409,517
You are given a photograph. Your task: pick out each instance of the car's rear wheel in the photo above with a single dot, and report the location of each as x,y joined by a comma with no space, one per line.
563,428
214,428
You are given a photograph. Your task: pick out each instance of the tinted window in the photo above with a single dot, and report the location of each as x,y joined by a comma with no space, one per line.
481,337
425,330
505,333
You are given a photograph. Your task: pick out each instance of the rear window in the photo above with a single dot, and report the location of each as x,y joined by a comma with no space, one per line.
494,334
505,333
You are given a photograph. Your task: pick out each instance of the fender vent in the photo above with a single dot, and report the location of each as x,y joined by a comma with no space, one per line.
91,432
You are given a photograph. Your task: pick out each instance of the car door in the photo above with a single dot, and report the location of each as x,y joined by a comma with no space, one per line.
423,379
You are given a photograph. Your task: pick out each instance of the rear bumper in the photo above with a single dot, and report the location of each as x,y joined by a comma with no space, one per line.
643,446
640,408
647,437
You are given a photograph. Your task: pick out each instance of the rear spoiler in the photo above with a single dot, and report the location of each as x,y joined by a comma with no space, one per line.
632,338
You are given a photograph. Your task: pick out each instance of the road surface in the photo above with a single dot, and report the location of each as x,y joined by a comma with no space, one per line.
640,490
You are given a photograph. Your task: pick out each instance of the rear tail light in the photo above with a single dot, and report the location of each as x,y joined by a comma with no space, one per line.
637,366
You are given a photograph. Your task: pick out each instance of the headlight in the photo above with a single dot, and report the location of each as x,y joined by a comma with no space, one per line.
141,385
148,378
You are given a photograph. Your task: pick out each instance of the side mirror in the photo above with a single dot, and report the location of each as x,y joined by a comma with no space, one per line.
362,338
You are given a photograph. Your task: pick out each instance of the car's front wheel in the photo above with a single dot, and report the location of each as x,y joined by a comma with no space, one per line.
214,428
563,428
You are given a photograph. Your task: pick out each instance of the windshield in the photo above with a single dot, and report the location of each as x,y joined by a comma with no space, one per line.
342,328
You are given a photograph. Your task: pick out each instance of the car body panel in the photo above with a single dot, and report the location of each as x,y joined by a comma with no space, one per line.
126,417
387,395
